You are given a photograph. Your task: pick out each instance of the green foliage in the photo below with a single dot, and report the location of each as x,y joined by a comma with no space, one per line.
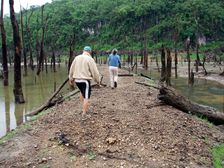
125,24
92,156
218,156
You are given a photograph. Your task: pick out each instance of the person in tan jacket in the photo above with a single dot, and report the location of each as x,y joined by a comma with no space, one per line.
83,69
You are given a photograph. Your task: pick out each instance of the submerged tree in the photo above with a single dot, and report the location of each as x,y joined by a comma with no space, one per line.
18,93
4,49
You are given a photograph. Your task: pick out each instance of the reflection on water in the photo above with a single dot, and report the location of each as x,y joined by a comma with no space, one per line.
204,91
36,90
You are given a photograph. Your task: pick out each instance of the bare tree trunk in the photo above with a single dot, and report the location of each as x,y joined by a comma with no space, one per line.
53,58
71,52
41,58
157,63
30,41
197,59
4,49
169,66
176,61
18,93
163,62
203,64
189,63
23,43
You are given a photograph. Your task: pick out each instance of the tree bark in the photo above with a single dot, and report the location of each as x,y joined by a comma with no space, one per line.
18,93
53,59
71,52
189,63
4,49
176,61
30,41
23,43
163,62
41,57
168,68
171,97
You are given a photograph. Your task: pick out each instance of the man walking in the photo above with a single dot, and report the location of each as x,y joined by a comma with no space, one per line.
82,70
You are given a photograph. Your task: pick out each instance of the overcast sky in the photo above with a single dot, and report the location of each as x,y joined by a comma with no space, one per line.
24,3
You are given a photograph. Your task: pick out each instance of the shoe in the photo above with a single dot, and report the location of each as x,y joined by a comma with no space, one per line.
115,84
85,116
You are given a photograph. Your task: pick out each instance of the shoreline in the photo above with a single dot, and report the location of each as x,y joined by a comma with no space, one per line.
127,127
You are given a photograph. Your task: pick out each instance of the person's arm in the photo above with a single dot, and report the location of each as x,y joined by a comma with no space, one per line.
94,71
119,62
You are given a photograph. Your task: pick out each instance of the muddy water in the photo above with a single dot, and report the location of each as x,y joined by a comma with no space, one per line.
203,91
36,90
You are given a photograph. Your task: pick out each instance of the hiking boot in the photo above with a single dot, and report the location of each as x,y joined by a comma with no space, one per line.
115,84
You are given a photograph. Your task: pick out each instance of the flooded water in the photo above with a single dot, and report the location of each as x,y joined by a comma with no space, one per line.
203,91
37,89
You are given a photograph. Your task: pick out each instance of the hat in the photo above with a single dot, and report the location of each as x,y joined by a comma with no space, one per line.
114,50
87,48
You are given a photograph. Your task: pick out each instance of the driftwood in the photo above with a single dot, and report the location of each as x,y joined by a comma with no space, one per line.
146,84
171,97
125,75
56,100
145,76
50,102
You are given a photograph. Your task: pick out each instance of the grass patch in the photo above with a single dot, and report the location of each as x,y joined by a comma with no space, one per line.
21,128
218,156
35,117
92,156
11,134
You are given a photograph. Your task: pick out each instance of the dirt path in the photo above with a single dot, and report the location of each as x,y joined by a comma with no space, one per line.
128,128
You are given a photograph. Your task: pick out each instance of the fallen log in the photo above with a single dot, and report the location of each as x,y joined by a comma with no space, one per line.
49,102
146,84
56,100
171,97
125,75
145,76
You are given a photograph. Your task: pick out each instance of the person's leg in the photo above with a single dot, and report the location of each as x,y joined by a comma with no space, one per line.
85,106
81,98
84,87
87,94
115,77
111,77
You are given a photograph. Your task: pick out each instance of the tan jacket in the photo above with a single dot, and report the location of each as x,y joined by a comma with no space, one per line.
84,67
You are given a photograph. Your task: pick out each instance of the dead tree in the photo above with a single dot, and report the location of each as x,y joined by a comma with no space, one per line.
53,58
163,62
23,43
41,56
18,93
168,68
171,97
187,46
4,49
71,51
30,40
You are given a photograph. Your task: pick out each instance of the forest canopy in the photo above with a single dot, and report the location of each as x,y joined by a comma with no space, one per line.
126,24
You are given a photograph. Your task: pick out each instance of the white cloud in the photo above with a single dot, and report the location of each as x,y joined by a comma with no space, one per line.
24,3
